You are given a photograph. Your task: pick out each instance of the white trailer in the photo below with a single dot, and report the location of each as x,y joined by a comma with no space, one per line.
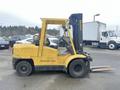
95,34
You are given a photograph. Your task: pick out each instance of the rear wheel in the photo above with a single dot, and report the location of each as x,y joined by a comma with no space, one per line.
78,68
24,68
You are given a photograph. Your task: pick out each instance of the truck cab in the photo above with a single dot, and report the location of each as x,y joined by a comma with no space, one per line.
110,38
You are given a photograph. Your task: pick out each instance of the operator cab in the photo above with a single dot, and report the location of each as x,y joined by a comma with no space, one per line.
64,44
57,37
67,42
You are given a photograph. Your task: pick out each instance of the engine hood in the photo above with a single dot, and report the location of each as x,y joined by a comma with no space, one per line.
25,50
116,39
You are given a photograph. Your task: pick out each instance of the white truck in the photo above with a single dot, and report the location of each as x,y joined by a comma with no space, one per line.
95,34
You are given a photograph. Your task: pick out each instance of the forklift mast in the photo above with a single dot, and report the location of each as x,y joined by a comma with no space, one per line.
76,21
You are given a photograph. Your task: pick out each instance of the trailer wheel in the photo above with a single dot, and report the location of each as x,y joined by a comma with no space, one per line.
112,46
77,68
24,68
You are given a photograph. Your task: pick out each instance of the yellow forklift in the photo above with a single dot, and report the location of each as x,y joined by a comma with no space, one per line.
43,57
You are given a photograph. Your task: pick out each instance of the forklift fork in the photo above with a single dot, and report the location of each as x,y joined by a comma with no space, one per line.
100,68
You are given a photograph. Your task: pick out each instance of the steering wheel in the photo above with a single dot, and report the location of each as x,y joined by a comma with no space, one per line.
67,45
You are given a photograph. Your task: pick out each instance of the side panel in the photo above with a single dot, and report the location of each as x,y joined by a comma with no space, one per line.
25,51
49,55
59,60
90,31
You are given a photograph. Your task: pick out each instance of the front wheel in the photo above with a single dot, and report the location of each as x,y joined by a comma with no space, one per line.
112,46
77,68
24,68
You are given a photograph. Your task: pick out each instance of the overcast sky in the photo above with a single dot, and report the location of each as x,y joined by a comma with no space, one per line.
33,10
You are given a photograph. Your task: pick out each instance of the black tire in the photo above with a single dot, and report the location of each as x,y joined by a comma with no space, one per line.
112,46
78,69
24,68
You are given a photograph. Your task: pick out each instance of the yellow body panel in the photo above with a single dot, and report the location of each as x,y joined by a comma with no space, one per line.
49,55
25,51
